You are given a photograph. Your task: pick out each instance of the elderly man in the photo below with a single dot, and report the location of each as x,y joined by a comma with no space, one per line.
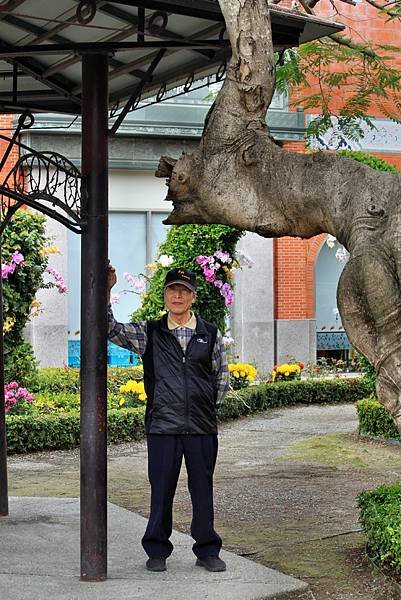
186,378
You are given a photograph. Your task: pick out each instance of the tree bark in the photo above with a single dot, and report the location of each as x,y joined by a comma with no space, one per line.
239,176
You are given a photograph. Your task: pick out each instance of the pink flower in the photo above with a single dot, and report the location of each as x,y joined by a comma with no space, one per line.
7,270
138,283
114,299
13,394
202,260
59,281
17,258
209,275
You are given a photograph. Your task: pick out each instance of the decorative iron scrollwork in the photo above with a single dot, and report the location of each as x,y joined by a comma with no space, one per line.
45,181
189,82
154,25
86,11
161,93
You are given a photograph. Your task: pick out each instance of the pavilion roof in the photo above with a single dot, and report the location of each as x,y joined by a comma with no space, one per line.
154,45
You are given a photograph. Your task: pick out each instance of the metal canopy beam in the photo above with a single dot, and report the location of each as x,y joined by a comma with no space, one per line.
106,47
201,9
34,68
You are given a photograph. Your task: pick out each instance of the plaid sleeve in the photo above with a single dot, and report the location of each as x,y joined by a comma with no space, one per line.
220,369
131,336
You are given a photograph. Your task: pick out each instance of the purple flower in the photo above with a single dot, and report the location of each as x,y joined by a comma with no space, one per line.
224,257
227,293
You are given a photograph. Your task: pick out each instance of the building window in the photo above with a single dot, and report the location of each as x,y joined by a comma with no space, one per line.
134,237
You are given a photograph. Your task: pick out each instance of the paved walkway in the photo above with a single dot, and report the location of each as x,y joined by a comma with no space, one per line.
39,557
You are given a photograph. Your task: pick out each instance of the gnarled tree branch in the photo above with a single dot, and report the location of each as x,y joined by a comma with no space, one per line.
238,176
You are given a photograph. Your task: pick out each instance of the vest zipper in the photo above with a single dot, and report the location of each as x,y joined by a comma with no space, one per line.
186,432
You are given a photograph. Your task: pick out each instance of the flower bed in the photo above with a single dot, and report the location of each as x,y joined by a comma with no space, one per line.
60,430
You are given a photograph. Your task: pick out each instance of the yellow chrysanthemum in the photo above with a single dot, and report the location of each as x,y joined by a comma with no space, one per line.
46,250
8,324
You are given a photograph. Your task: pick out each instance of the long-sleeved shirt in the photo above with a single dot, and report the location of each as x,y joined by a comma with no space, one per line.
133,336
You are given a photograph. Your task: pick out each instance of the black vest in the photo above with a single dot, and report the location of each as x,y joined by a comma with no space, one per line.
180,388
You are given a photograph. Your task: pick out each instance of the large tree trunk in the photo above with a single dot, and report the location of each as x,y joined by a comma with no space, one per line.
238,176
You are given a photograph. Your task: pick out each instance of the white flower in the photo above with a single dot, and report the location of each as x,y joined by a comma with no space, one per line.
243,259
165,260
342,255
228,341
331,241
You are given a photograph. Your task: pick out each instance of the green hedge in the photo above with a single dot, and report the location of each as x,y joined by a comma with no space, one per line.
380,516
26,433
375,420
288,393
67,379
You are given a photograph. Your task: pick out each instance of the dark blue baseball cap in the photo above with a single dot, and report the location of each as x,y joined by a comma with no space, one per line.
183,276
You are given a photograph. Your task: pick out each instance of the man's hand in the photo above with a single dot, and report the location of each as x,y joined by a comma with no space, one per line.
111,277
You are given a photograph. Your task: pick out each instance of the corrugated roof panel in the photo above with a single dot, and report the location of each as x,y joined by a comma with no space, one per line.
33,26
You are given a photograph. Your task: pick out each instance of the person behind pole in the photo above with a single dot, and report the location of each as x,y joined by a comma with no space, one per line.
186,379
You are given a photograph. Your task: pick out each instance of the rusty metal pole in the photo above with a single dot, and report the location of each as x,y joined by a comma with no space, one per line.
94,318
3,438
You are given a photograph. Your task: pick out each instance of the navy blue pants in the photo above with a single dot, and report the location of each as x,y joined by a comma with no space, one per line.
165,453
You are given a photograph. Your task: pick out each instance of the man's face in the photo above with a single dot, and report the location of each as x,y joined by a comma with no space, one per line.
178,298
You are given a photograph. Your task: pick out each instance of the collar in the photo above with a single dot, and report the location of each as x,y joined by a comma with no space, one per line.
190,324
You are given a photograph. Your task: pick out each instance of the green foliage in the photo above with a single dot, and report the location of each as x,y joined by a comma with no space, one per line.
368,159
55,429
28,433
67,379
380,516
375,420
368,371
184,244
26,234
322,69
20,365
289,393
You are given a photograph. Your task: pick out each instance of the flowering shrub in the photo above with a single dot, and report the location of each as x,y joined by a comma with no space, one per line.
17,399
8,268
134,394
183,245
287,371
215,268
241,375
23,265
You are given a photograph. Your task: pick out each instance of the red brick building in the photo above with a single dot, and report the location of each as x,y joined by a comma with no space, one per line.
295,260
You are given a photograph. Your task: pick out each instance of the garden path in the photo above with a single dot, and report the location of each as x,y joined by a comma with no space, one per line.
286,487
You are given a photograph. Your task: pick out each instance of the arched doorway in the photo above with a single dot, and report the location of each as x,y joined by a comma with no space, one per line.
331,339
